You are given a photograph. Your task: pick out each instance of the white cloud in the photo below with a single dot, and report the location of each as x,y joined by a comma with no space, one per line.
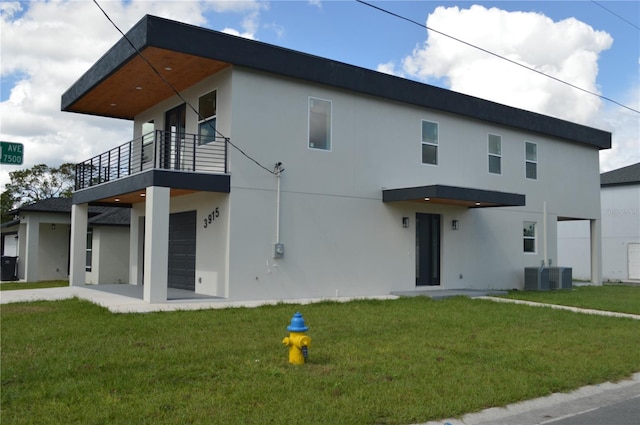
389,68
48,45
524,37
625,128
250,25
233,31
224,6
316,3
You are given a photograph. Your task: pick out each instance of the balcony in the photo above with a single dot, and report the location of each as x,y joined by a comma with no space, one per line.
161,150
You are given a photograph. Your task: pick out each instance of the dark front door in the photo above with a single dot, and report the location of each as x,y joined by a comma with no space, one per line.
427,249
182,251
174,125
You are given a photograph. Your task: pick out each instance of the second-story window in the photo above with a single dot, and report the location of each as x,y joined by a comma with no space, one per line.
148,137
495,154
319,124
531,160
429,142
207,106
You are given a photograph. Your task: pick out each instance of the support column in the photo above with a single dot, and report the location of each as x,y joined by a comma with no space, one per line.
156,240
32,245
136,254
596,252
78,251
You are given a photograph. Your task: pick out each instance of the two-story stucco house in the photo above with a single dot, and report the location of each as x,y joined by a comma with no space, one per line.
257,172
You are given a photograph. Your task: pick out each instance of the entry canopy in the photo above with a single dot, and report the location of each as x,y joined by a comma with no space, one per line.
454,195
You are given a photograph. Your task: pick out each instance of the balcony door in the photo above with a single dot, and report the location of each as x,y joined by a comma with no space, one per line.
427,249
174,137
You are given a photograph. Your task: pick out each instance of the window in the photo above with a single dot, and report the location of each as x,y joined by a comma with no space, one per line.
495,154
319,124
207,106
531,160
429,142
529,234
147,141
89,250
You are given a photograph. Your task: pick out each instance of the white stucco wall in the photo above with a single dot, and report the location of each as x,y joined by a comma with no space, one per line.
212,239
332,200
110,255
43,252
620,228
53,259
573,248
339,237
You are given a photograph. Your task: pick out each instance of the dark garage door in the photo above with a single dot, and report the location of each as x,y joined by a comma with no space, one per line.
182,251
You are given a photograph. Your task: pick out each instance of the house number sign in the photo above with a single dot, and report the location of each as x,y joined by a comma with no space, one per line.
215,213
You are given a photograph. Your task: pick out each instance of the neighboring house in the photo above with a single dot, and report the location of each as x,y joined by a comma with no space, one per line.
39,238
620,199
388,184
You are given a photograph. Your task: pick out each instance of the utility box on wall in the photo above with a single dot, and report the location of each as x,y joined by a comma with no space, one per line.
278,251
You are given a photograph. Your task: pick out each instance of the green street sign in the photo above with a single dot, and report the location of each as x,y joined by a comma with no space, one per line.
12,153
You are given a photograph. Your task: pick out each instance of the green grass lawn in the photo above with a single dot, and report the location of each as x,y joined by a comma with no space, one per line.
619,298
11,286
370,362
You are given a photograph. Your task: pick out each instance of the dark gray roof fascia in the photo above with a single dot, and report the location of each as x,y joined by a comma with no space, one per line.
98,215
50,205
189,39
8,224
625,175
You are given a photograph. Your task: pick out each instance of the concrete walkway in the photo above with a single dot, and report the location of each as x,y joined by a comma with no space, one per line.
564,307
125,298
128,298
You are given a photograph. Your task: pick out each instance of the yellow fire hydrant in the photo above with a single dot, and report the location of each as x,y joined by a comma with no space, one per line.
297,341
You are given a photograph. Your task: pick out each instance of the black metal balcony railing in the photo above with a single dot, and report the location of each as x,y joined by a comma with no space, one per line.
158,150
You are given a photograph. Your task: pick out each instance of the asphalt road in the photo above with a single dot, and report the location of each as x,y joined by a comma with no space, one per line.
603,404
626,412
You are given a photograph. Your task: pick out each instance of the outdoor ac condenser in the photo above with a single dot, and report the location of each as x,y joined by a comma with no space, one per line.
545,278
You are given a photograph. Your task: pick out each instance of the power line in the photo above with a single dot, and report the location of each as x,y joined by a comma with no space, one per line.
155,70
615,14
497,55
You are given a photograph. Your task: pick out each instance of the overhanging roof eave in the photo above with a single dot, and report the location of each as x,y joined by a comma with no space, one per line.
455,195
178,37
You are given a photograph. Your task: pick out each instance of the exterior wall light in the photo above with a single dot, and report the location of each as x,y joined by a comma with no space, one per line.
405,222
53,227
454,224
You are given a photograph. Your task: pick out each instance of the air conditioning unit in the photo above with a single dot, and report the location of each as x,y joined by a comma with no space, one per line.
560,278
546,278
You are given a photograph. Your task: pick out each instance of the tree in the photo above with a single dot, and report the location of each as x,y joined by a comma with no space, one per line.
37,183
7,202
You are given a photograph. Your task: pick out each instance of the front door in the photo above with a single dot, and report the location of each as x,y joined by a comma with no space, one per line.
182,251
174,126
427,249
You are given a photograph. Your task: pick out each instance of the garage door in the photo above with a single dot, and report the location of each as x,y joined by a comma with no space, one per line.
634,260
182,251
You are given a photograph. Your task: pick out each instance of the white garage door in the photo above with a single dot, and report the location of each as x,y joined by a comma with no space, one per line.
634,260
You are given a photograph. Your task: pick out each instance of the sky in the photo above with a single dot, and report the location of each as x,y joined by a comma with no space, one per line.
45,46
